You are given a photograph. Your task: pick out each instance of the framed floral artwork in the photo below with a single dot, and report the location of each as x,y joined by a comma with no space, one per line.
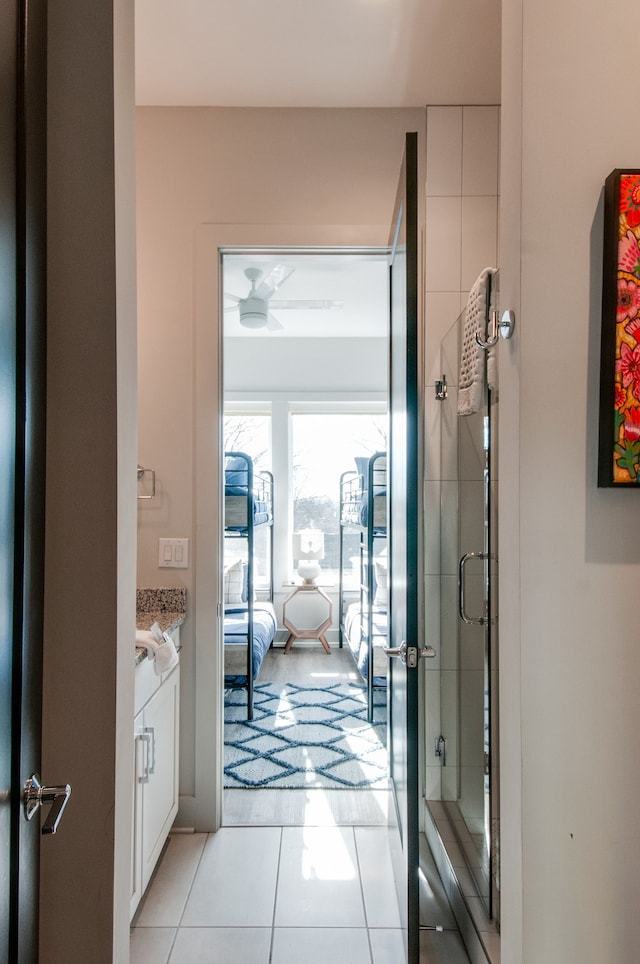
619,440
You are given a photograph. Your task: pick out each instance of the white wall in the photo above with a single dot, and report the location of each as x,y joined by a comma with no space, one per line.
569,554
251,172
305,364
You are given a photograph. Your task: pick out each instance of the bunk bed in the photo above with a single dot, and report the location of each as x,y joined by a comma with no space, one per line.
363,621
249,625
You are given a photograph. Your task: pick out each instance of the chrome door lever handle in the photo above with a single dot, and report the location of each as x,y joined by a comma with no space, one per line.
35,795
410,654
400,652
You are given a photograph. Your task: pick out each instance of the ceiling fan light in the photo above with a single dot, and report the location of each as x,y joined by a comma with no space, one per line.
254,312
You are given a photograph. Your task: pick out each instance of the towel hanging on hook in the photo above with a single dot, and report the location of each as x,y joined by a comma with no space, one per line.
473,354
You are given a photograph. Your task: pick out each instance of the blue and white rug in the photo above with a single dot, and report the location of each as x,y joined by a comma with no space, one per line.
305,736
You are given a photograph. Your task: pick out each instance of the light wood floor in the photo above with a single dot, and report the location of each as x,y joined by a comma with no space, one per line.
307,664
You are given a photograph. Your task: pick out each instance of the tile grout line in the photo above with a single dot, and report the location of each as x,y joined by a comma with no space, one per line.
177,929
275,897
193,880
364,903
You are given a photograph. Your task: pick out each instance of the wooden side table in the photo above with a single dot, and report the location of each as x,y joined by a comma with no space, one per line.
307,613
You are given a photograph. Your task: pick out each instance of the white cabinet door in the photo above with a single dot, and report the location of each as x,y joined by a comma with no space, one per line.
160,794
155,779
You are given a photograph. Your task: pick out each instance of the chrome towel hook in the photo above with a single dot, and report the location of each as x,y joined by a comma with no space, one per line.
498,329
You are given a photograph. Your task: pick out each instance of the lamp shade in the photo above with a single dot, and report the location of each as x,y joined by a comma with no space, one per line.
308,544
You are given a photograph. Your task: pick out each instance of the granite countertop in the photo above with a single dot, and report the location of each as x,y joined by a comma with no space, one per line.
166,607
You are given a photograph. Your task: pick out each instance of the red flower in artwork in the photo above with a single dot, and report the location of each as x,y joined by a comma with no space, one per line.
621,396
628,364
633,329
629,253
628,299
630,199
632,425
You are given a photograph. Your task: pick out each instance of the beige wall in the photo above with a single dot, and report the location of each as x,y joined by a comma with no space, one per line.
199,169
91,449
215,166
569,554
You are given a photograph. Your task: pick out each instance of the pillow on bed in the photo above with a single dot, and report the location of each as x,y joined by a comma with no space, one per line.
236,472
362,468
381,596
379,473
233,582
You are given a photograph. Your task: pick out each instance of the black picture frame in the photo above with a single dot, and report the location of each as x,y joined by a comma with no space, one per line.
619,409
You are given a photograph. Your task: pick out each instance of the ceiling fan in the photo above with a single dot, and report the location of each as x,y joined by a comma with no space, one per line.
254,308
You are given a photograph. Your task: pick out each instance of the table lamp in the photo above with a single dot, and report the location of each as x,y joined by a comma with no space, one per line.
308,548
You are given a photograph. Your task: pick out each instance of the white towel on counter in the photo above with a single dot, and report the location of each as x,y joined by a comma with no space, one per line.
472,356
160,648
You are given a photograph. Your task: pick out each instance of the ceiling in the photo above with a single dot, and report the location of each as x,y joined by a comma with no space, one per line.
357,280
317,53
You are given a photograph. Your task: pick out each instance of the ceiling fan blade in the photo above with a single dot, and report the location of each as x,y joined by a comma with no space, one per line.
278,274
325,304
233,298
273,324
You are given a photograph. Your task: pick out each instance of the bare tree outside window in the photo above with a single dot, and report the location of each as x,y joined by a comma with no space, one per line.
323,447
250,434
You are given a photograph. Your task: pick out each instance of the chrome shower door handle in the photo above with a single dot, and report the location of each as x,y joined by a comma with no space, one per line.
35,796
464,616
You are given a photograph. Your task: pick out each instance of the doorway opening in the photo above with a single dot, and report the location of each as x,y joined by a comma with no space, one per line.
305,368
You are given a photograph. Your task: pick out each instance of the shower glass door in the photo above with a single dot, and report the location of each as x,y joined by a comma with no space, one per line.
468,687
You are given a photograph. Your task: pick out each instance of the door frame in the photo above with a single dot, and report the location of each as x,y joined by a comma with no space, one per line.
27,118
203,808
406,684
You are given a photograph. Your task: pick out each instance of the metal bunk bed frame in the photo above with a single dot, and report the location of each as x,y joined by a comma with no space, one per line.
257,485
351,486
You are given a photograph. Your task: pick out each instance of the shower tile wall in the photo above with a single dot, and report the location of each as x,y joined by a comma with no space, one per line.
461,239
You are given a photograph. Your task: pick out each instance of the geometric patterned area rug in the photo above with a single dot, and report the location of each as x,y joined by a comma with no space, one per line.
305,736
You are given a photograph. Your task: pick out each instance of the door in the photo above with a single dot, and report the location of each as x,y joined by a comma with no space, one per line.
474,641
22,393
468,639
404,480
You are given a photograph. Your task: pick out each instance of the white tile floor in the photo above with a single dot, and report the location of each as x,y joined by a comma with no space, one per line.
284,895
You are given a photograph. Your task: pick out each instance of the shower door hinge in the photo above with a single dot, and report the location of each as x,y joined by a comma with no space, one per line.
441,388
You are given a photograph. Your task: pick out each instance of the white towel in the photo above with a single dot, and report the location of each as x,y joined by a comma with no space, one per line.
160,648
472,356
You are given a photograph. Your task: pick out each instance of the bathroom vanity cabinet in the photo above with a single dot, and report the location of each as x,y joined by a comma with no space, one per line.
155,778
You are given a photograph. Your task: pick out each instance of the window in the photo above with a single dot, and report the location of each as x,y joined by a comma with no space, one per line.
249,432
324,445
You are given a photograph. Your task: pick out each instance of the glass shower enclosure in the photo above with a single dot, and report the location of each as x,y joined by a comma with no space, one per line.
467,747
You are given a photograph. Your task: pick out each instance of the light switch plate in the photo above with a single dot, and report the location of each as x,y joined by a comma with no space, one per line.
173,553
